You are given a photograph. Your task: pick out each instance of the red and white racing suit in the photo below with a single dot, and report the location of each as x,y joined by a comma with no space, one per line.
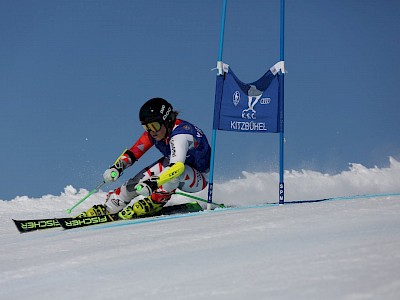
187,144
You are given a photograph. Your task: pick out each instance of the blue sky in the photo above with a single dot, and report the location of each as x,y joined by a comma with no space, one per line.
74,74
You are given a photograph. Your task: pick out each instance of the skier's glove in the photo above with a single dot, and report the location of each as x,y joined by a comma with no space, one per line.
147,187
111,174
126,160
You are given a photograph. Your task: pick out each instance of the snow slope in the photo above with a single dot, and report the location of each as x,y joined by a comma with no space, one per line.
340,249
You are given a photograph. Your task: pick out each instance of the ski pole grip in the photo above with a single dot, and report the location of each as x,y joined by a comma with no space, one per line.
143,189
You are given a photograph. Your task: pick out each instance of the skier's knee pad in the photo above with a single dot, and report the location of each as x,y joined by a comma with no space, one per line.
115,201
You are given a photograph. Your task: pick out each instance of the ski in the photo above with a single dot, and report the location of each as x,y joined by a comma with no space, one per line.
35,224
69,223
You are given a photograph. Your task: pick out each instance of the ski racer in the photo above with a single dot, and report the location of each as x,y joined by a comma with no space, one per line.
184,164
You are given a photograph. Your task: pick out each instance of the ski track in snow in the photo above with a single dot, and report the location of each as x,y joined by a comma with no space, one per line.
347,249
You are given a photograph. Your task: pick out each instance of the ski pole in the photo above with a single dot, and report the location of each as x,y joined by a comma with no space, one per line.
96,189
140,187
199,199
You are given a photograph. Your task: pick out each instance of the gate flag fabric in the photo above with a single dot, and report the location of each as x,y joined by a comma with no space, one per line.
243,107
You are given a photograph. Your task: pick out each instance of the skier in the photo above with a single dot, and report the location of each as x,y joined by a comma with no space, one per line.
185,164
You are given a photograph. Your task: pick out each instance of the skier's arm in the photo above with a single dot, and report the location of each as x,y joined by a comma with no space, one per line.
179,145
129,157
141,146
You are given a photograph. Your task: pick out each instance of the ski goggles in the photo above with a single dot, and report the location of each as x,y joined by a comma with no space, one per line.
153,126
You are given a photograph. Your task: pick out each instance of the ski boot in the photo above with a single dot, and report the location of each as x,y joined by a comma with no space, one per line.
142,208
95,210
127,213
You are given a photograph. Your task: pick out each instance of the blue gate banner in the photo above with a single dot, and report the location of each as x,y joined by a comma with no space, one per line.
243,107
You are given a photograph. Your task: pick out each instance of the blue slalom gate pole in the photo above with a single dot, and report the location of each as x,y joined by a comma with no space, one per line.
214,131
221,35
281,107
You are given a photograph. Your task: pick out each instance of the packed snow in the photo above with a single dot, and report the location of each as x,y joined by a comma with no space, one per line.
344,248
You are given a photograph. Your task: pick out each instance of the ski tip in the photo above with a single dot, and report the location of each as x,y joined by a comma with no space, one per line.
35,224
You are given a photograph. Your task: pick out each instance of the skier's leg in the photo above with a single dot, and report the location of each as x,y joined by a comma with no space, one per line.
118,199
154,202
190,181
122,197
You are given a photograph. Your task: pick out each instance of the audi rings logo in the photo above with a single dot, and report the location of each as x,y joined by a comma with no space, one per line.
236,98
